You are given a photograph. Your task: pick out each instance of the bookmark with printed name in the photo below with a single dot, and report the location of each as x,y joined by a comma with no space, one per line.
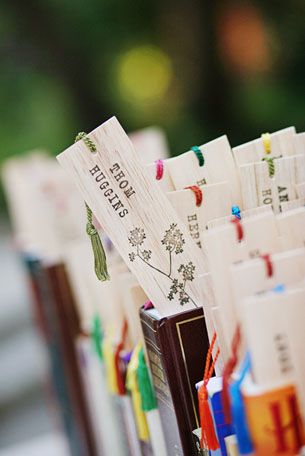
138,218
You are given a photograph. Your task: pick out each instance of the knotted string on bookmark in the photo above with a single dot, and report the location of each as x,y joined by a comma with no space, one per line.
198,154
269,160
239,229
236,212
208,436
148,398
100,262
266,142
270,163
197,192
97,335
269,265
119,348
159,169
227,372
244,442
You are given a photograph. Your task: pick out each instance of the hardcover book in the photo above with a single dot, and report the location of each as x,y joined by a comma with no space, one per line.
176,347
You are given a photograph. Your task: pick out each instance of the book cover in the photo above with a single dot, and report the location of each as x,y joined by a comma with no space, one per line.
274,420
222,428
176,347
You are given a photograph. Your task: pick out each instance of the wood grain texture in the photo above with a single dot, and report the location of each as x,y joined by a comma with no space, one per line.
282,144
218,167
273,345
216,202
138,218
223,249
250,276
248,186
299,143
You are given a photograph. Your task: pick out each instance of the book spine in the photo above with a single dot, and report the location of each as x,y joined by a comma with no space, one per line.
159,377
177,384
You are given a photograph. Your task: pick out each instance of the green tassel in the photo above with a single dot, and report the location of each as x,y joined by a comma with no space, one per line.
97,336
100,262
148,398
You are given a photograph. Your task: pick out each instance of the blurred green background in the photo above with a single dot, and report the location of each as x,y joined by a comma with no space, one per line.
196,68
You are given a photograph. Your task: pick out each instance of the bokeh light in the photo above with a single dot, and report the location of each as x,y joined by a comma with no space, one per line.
244,41
144,74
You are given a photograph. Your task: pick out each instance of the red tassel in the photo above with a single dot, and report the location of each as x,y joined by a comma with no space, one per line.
226,376
119,375
208,435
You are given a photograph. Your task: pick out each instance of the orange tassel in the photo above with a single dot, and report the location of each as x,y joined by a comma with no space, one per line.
208,436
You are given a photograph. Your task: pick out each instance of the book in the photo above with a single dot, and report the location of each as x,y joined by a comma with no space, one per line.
176,347
223,429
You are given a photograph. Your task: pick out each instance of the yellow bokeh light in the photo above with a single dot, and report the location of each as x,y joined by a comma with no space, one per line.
144,74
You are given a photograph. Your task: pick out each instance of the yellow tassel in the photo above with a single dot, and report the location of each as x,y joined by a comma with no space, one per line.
133,387
109,359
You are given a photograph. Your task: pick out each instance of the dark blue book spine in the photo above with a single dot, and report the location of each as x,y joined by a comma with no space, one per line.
222,429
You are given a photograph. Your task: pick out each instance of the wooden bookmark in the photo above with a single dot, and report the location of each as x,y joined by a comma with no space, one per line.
300,190
299,143
232,243
275,182
197,205
272,347
137,216
294,204
208,164
259,210
133,299
300,168
150,143
295,317
275,145
262,274
159,172
291,228
91,295
248,186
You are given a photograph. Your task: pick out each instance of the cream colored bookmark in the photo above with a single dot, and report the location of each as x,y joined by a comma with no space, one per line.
276,182
197,206
216,165
257,275
291,228
274,145
150,143
137,216
257,235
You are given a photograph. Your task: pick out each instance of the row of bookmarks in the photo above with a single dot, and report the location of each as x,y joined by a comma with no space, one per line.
195,343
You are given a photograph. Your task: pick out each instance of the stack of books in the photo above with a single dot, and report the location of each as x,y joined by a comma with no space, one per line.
170,291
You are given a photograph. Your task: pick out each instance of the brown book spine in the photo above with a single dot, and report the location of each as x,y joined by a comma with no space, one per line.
176,348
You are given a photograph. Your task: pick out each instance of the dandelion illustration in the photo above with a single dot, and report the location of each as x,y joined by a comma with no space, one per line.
137,236
146,254
132,256
187,271
173,241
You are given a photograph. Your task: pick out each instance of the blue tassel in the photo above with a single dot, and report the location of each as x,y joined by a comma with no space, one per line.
239,419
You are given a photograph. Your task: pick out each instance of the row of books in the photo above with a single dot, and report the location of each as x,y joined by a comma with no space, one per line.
194,345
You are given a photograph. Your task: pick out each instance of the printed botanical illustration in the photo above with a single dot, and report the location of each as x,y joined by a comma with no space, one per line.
173,242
